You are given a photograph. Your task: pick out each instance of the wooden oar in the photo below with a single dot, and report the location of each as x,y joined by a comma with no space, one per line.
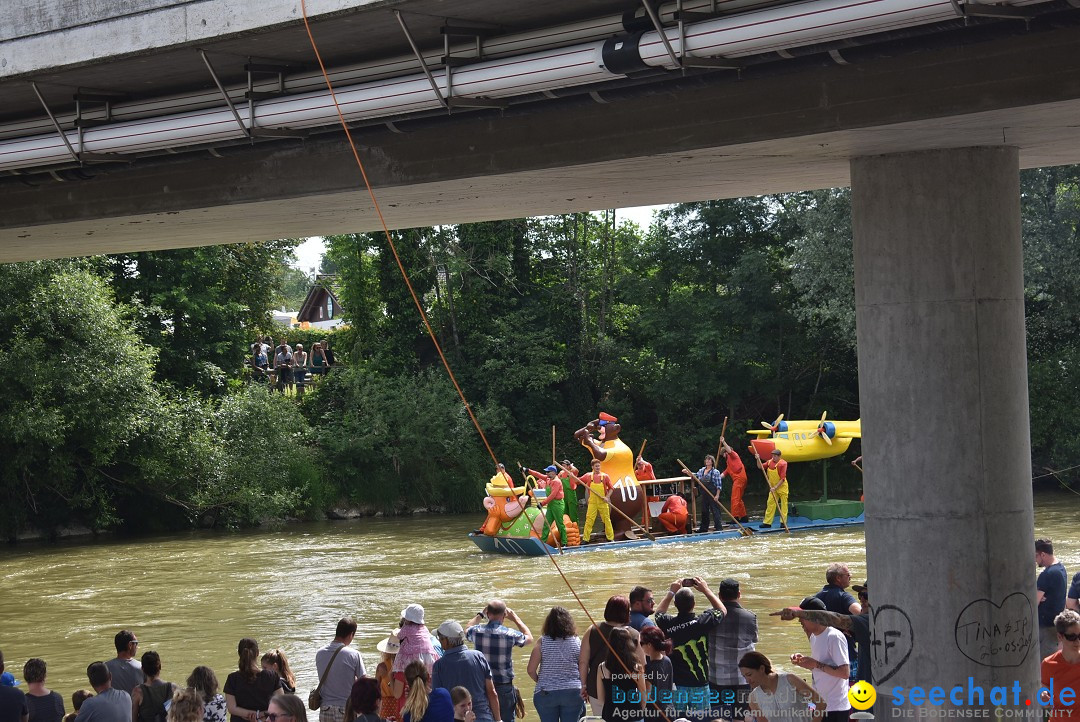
641,450
775,497
742,529
614,508
553,443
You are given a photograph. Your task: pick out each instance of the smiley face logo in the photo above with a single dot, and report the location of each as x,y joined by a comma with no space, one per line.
862,695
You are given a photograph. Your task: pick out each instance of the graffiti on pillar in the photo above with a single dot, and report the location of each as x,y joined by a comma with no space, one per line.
891,640
996,635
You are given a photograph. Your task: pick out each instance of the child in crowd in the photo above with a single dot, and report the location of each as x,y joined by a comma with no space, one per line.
462,705
77,698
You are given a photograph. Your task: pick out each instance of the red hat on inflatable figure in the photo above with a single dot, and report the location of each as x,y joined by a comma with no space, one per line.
605,416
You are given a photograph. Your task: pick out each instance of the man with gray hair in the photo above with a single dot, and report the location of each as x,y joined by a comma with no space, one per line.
463,667
837,600
496,642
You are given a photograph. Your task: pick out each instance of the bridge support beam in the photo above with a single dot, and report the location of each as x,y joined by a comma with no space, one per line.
943,389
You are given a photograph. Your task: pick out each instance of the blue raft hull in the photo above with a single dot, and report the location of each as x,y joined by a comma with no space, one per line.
533,547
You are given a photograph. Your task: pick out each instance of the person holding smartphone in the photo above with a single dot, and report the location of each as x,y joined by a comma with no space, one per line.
689,634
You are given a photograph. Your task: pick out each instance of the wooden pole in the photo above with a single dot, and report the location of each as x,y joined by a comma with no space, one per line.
742,529
775,497
720,446
641,450
553,443
614,508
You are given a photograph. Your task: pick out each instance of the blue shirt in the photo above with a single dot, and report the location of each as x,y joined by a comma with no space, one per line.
1052,583
639,620
497,641
836,599
440,707
464,667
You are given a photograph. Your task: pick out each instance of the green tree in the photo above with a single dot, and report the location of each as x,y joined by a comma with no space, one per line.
201,307
75,399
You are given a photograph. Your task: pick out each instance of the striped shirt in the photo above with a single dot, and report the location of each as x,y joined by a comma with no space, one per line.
559,664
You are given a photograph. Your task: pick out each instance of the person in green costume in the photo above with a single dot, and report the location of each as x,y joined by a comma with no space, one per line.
570,497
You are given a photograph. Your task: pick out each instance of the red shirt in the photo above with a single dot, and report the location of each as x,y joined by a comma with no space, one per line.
780,466
602,479
554,485
735,468
645,473
1063,674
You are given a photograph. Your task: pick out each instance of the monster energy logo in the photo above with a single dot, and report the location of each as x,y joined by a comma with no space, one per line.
695,654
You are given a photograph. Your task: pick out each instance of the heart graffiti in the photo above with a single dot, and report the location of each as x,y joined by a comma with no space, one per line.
892,639
996,635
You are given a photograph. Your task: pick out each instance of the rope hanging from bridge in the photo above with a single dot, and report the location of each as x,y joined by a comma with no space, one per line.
427,324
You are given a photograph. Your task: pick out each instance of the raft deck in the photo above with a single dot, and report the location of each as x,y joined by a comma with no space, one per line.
533,547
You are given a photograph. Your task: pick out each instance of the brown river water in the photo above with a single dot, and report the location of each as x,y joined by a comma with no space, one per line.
192,596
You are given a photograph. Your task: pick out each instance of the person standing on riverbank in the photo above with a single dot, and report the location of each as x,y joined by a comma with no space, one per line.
12,701
689,635
337,678
1051,587
641,607
126,671
496,642
828,662
463,667
733,637
108,704
44,704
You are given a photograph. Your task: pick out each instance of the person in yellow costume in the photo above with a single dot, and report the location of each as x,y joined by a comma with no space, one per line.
599,501
776,471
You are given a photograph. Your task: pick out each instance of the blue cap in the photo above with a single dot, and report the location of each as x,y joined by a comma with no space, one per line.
551,467
7,679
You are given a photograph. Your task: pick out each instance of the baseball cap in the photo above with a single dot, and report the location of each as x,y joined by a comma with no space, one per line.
551,467
858,588
7,679
450,629
812,603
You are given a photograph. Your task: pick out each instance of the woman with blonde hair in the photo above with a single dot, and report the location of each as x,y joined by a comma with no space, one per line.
423,704
186,706
388,648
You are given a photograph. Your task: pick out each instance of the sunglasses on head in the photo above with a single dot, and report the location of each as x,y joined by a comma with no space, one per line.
1072,637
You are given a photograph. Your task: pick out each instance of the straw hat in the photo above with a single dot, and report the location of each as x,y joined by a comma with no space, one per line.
390,645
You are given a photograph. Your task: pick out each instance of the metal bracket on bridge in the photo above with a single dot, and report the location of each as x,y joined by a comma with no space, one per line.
969,9
253,132
449,101
681,60
97,98
80,156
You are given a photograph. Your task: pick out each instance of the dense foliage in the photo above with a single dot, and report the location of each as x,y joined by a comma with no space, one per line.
127,405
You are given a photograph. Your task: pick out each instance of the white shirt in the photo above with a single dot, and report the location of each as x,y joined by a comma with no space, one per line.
831,647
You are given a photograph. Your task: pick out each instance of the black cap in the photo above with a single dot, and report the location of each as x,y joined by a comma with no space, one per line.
729,588
859,589
812,603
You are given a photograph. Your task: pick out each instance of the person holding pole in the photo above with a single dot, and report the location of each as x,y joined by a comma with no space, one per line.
736,472
553,503
776,473
599,502
711,480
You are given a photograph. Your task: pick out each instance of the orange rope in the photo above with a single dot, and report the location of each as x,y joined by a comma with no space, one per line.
423,315
389,240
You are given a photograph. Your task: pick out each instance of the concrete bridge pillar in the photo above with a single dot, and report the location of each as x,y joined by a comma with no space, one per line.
943,389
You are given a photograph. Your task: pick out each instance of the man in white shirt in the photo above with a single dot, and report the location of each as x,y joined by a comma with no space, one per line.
828,661
347,667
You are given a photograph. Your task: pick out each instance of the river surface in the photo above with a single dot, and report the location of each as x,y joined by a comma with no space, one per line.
191,597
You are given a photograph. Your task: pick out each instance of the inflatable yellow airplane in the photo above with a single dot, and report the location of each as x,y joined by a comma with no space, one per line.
805,440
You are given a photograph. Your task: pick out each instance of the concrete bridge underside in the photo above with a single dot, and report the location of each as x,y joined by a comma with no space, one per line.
783,126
